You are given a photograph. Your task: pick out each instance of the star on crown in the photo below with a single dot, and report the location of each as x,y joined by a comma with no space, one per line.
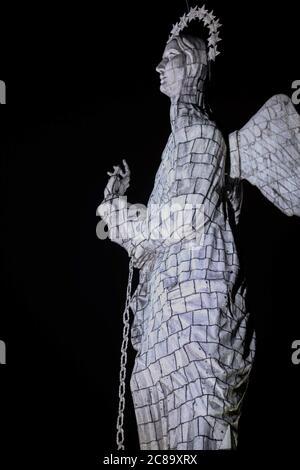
208,19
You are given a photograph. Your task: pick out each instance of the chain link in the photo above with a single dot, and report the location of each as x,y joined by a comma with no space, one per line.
123,362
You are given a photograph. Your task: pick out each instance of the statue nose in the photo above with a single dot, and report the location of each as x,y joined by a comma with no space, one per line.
161,66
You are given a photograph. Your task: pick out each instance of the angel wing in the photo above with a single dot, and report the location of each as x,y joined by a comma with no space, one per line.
266,152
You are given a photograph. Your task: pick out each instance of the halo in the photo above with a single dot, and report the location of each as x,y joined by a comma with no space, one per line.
209,21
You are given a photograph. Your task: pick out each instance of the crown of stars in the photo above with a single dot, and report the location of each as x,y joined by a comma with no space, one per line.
208,19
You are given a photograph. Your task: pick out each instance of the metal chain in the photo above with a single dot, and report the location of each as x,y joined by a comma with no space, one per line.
126,318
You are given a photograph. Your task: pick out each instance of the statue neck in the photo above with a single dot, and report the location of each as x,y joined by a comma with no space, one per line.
187,108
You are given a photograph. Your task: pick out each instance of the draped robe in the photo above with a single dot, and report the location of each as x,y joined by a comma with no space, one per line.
194,350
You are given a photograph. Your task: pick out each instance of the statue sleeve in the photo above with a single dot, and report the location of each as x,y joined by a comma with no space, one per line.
199,178
193,198
132,227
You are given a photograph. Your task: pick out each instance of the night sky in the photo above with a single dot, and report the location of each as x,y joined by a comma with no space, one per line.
83,93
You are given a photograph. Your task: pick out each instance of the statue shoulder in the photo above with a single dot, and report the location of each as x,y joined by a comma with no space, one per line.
200,130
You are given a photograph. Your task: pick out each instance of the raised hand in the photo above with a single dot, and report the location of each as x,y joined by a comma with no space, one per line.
119,180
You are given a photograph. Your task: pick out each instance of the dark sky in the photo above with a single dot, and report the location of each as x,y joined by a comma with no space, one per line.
82,93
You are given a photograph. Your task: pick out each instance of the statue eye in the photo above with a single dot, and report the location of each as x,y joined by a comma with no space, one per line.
170,55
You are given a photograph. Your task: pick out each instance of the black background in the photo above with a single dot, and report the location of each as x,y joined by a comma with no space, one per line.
82,93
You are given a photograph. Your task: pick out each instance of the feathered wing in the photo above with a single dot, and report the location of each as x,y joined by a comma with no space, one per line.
266,152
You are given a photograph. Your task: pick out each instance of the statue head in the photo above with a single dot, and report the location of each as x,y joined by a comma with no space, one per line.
183,69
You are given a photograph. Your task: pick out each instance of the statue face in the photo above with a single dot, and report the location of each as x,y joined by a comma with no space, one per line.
172,69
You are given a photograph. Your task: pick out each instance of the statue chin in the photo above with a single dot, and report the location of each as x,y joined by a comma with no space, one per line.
164,90
168,92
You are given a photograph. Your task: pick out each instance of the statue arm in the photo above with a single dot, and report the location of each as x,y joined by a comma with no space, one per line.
193,197
199,179
129,227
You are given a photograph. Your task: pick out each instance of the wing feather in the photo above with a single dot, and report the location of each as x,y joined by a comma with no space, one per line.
266,152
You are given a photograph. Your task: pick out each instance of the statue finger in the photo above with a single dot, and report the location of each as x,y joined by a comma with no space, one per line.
126,166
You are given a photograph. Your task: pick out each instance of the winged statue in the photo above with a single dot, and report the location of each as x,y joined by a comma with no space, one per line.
190,329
